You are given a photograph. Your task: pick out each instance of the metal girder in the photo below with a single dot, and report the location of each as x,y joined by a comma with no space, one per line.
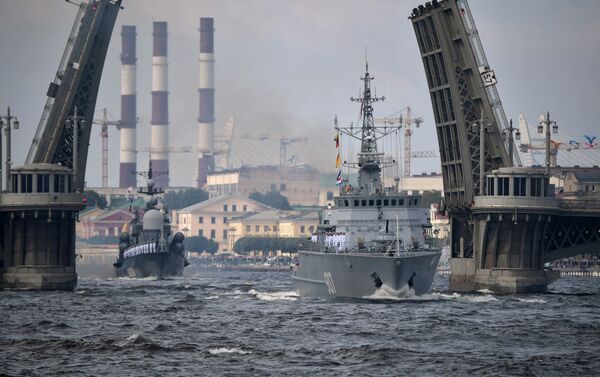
76,85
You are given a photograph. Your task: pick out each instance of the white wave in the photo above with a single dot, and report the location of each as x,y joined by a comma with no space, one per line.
130,340
386,292
221,350
477,298
274,296
485,291
212,297
533,300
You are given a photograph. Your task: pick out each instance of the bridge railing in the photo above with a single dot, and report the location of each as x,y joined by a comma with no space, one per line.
588,204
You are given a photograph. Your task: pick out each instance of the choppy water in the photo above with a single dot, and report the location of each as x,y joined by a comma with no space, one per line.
253,324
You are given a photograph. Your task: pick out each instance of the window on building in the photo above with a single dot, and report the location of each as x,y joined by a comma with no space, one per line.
213,220
346,203
201,232
311,228
490,186
393,202
535,187
224,207
503,186
200,220
363,202
302,229
273,186
386,202
329,195
213,234
26,183
274,228
356,202
400,202
224,234
519,187
282,187
244,208
257,228
43,183
184,220
266,228
233,208
247,228
371,202
225,220
587,188
378,202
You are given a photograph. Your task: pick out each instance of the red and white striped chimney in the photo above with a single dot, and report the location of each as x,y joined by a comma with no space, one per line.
128,165
206,104
159,140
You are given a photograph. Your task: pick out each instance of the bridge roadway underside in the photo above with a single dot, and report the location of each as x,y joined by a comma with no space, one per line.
512,245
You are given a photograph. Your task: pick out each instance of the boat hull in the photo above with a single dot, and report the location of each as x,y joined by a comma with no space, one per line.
360,275
159,265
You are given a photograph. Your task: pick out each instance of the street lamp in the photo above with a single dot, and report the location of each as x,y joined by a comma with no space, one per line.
508,132
75,122
5,123
545,121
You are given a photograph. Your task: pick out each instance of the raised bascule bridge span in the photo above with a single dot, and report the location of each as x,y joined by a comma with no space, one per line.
38,209
506,221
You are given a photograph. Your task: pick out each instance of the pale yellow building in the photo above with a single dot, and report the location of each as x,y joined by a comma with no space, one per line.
210,218
299,184
273,223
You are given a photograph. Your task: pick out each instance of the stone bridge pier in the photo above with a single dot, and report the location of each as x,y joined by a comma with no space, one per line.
518,227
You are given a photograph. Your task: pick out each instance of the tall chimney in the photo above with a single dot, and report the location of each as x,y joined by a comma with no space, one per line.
159,140
128,166
206,104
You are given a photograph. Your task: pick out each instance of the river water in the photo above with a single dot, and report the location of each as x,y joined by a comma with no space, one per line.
244,323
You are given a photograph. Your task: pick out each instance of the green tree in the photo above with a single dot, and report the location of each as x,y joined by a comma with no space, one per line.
272,199
184,198
430,197
246,244
94,199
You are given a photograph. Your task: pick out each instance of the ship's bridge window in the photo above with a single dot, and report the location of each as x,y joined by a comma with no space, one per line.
371,202
356,202
378,202
346,203
363,203
393,202
416,201
26,183
386,202
400,202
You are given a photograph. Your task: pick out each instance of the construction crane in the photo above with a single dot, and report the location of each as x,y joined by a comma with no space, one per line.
407,122
104,122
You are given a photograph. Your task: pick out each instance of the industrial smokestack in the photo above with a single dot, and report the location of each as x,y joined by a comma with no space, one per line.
159,140
128,166
206,104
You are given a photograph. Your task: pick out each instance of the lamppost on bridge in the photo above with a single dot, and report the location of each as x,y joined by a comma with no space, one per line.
5,123
545,121
508,132
75,121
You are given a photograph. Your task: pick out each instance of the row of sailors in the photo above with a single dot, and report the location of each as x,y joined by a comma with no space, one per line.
147,248
334,240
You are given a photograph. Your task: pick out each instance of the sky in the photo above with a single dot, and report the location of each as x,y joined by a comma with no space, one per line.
290,66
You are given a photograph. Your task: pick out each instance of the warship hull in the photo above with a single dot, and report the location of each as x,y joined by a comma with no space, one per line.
360,275
159,265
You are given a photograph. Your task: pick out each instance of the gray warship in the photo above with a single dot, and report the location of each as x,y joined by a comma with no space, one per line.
150,249
374,240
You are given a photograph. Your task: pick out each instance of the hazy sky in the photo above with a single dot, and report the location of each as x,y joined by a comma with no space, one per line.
291,65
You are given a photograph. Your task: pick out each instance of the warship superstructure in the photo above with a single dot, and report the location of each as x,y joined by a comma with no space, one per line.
373,239
150,249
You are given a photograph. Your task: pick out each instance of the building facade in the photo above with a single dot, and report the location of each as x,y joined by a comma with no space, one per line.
98,222
273,223
210,218
299,184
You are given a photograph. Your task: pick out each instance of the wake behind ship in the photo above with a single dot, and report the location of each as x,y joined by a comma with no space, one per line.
151,250
375,239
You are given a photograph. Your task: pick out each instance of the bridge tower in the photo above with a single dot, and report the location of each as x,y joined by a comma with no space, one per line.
498,241
38,210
